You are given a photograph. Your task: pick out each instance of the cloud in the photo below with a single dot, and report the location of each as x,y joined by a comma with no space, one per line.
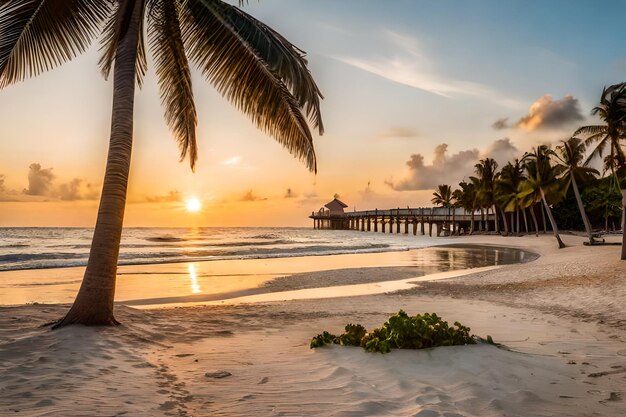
368,192
250,196
546,113
39,180
450,169
290,193
41,187
501,124
444,169
70,191
502,150
397,133
408,64
311,199
171,197
6,195
232,161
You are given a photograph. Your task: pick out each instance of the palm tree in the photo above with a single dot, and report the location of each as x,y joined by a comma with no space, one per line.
612,112
466,198
487,174
253,66
571,154
542,178
507,190
443,197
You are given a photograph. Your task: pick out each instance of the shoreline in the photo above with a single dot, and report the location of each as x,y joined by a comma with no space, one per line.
209,280
155,363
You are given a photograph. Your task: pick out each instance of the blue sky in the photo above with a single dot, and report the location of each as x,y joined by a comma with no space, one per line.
400,79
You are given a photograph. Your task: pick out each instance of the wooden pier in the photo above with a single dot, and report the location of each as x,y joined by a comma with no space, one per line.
409,220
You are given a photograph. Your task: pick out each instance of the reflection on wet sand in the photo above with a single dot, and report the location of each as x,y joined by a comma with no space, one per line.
195,287
219,280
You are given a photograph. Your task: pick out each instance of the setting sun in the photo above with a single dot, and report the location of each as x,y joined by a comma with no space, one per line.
193,205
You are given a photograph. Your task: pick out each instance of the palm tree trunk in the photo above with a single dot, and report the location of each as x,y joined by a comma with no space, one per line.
555,230
481,223
487,219
497,221
471,232
506,226
453,227
517,229
581,207
525,220
623,231
534,217
512,222
543,219
94,302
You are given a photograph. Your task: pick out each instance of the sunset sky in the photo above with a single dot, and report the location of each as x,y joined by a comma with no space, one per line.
415,93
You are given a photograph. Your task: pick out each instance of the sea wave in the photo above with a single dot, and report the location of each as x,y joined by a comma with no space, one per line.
62,260
34,248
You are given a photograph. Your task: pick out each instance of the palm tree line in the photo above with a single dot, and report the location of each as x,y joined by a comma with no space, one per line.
542,177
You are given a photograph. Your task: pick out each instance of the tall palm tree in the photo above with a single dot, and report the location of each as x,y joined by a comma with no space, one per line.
612,112
487,173
466,198
542,178
507,189
443,197
250,64
571,155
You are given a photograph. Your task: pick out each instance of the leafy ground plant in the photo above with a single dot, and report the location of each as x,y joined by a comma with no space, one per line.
402,331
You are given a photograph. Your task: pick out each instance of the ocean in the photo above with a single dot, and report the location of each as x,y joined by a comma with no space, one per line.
40,248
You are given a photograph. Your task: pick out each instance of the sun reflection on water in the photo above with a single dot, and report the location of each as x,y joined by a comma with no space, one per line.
195,287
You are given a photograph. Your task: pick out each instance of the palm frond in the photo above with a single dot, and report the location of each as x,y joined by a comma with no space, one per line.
38,35
240,74
284,59
114,32
172,70
590,130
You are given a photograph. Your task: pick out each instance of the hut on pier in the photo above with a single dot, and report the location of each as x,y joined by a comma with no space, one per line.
331,216
335,207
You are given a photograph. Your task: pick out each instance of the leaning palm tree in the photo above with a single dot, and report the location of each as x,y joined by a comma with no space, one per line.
571,155
541,179
443,196
612,112
250,64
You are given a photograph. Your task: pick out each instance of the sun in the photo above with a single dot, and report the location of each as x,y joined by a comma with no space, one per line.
193,205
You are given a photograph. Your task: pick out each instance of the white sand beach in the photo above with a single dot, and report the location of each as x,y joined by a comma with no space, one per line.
560,318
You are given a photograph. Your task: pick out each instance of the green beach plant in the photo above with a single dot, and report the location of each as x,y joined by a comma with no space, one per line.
402,331
257,69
